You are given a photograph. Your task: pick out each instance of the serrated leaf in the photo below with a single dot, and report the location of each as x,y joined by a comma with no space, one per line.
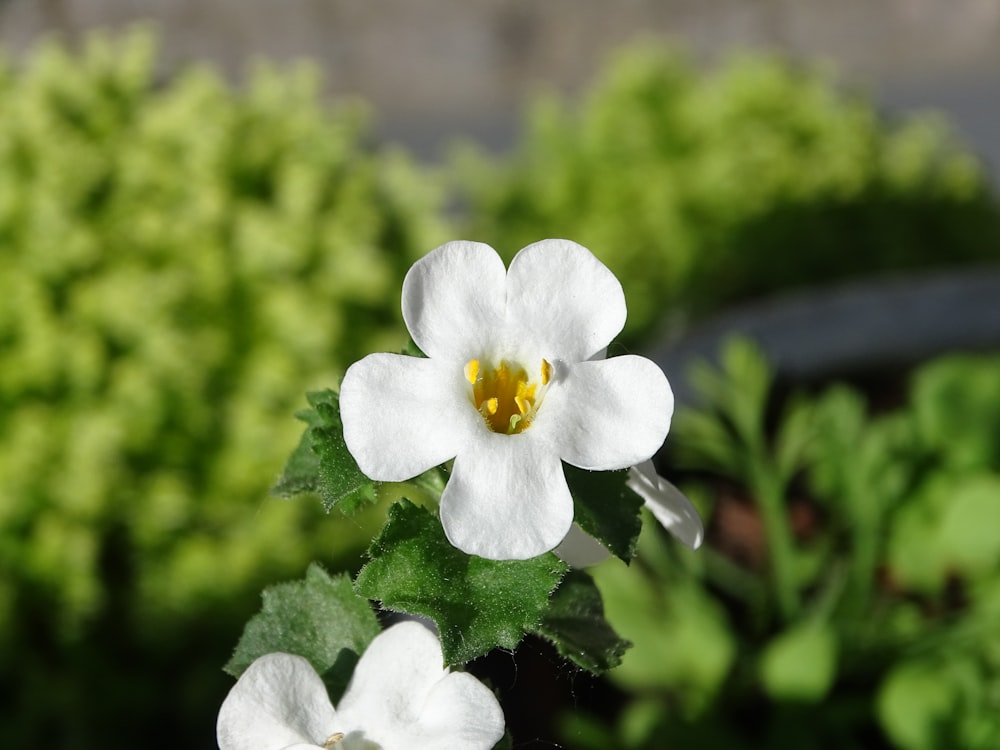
320,618
606,508
321,463
477,604
575,624
301,472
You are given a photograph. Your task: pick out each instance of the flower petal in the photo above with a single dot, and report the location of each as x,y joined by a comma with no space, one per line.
580,550
453,300
278,702
568,300
401,697
608,414
403,415
507,497
460,712
667,504
392,678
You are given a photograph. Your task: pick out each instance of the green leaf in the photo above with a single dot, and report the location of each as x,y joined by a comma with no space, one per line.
749,379
321,463
841,427
702,440
301,473
575,624
606,508
916,559
915,704
948,527
477,604
801,663
968,530
320,618
796,431
683,641
412,350
956,401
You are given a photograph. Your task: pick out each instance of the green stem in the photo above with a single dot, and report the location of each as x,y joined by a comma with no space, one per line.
781,550
863,574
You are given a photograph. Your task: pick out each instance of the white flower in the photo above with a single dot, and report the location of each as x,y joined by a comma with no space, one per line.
515,381
400,698
668,505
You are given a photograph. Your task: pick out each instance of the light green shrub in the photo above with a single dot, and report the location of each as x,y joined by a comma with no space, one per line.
179,262
701,189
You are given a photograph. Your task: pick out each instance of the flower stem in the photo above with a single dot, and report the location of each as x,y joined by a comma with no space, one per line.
865,562
781,551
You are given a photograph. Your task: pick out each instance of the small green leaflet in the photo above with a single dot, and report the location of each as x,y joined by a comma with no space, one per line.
606,508
575,624
477,604
319,618
412,350
800,664
321,463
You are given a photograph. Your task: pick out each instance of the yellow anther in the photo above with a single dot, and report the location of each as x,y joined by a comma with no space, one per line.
522,404
472,370
505,395
332,740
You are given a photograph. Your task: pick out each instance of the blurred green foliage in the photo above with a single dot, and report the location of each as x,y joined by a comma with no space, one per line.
849,592
181,260
179,263
702,189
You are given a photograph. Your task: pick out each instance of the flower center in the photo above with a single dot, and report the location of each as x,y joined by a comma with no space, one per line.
505,395
332,740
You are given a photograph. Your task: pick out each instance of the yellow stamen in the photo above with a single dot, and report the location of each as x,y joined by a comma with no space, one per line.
505,396
472,370
332,740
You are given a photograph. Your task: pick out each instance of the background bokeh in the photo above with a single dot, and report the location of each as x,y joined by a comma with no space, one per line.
190,241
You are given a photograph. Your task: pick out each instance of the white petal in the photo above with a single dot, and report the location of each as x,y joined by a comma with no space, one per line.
401,697
608,414
460,712
667,504
580,550
278,702
569,303
392,678
507,497
403,415
453,300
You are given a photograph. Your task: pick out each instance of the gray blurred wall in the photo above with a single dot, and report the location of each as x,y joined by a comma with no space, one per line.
434,69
